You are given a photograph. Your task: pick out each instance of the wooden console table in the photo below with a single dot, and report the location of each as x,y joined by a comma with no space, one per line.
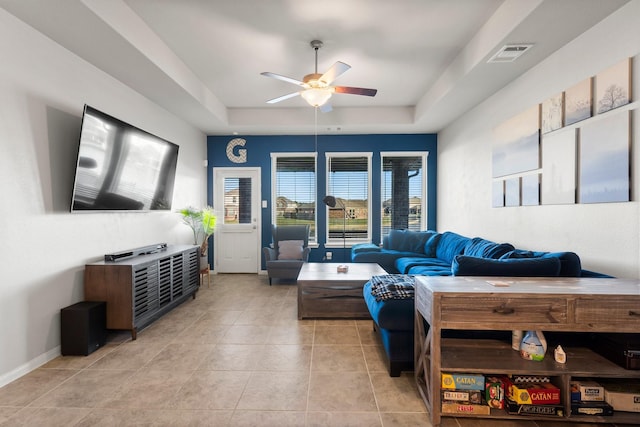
504,304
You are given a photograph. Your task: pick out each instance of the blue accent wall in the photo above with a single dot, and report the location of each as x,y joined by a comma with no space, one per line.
260,147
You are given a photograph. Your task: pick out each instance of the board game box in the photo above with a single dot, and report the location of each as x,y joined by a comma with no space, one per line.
462,381
591,408
532,393
586,391
623,395
465,408
514,408
462,396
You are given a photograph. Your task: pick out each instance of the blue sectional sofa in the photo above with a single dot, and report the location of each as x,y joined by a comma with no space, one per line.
445,254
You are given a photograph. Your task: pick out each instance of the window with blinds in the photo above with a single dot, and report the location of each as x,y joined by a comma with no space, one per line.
348,178
294,190
403,190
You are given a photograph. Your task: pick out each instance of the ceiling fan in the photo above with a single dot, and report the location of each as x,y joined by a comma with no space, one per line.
317,88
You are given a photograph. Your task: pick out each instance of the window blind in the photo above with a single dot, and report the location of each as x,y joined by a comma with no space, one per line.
295,191
348,182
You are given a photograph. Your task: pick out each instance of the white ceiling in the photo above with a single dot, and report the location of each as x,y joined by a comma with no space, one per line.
202,59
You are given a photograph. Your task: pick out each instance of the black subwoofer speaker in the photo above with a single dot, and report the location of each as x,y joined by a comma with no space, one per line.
83,328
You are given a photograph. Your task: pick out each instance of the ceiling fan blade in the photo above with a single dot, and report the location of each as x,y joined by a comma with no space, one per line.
356,90
282,98
326,107
334,72
283,78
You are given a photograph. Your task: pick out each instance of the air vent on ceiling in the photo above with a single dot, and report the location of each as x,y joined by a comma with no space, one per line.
510,52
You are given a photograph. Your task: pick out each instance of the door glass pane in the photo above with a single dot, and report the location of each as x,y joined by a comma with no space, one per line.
237,201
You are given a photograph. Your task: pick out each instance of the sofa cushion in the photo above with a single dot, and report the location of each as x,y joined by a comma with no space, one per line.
518,267
431,245
290,249
520,253
365,247
479,247
385,258
430,270
570,265
396,314
403,264
449,245
408,241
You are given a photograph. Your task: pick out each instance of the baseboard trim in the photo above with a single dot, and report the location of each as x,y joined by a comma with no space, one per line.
31,365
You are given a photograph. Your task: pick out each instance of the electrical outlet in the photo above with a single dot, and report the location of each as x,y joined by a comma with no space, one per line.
329,255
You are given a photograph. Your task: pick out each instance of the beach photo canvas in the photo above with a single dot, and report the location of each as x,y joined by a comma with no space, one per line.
497,195
604,160
512,192
530,190
559,168
516,146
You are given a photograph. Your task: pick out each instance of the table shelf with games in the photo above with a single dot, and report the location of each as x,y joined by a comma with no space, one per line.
481,306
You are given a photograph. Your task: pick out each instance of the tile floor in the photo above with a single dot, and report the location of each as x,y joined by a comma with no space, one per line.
235,356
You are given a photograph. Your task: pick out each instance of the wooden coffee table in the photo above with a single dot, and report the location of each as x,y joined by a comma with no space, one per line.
325,293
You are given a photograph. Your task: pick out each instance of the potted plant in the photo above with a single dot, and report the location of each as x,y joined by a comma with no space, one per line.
203,223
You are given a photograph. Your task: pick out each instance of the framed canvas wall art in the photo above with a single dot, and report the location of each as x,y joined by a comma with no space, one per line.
613,87
552,113
512,192
604,160
559,168
530,190
516,145
577,102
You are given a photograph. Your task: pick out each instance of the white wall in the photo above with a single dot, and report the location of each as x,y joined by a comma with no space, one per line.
606,236
43,88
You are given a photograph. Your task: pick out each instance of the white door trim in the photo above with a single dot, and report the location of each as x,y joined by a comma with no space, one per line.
255,173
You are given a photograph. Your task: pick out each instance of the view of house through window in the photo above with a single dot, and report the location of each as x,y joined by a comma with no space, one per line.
237,201
294,190
348,178
403,191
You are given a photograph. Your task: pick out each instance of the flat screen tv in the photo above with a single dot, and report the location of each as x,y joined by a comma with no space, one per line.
121,167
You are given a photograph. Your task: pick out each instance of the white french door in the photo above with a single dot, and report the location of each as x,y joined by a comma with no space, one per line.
236,200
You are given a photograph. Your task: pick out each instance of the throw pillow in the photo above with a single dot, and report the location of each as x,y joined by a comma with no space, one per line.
519,267
407,240
290,249
483,248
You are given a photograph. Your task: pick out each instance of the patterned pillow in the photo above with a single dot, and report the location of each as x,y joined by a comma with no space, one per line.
290,249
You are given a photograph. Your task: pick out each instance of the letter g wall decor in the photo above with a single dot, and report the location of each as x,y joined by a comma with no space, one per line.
241,157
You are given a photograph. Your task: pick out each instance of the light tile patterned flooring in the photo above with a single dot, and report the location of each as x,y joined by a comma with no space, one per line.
237,355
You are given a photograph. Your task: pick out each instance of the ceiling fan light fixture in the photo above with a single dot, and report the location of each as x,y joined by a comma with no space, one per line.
317,87
316,97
